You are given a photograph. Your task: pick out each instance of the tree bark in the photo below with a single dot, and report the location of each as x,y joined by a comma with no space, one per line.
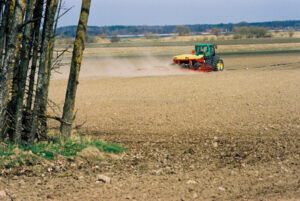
21,76
44,101
10,17
3,31
2,5
2,2
8,64
42,74
38,14
69,105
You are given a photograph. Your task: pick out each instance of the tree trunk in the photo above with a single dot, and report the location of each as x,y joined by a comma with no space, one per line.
2,2
44,101
10,17
21,76
8,64
68,112
42,74
38,14
3,31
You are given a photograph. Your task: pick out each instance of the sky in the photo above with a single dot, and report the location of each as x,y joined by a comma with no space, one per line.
174,12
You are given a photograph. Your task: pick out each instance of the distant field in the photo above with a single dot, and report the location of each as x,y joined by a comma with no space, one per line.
170,46
186,42
169,51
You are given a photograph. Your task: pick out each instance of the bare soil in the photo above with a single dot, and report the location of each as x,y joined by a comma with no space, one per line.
232,135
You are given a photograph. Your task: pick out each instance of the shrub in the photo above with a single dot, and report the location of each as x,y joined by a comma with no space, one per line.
250,32
182,30
103,36
291,32
205,38
215,31
91,39
237,36
149,35
115,38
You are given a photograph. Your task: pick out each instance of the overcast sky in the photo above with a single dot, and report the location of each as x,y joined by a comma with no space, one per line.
174,12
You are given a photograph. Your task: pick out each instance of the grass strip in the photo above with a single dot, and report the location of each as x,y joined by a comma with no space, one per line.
12,155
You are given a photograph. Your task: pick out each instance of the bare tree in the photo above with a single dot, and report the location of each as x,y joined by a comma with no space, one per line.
215,31
21,75
3,28
182,30
291,32
36,39
48,68
68,112
8,64
25,46
43,67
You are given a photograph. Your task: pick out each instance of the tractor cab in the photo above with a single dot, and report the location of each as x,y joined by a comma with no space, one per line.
207,50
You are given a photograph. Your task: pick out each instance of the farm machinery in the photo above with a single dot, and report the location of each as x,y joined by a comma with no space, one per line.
203,58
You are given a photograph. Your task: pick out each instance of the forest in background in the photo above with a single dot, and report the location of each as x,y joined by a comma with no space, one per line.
70,31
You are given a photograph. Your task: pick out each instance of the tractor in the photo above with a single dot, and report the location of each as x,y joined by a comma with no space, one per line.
203,58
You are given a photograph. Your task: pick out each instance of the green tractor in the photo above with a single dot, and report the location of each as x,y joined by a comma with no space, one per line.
203,58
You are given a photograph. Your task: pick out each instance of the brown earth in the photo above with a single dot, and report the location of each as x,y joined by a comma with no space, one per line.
231,135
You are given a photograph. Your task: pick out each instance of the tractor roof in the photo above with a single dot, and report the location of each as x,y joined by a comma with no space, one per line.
203,44
207,45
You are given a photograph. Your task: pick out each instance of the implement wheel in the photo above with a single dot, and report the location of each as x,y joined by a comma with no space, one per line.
196,66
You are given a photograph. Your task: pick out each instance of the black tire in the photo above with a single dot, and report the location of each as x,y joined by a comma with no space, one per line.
218,64
222,65
196,66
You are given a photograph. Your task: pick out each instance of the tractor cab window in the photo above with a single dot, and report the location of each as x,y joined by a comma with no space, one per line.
201,49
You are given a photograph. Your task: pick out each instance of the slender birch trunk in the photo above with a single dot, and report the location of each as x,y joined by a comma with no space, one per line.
38,14
10,17
44,101
68,112
3,31
2,3
42,74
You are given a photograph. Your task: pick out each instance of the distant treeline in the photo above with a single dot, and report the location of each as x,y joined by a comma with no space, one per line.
69,31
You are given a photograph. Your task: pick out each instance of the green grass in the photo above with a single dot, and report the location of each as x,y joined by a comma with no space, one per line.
11,155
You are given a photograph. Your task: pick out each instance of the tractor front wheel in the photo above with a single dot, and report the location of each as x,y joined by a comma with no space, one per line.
220,65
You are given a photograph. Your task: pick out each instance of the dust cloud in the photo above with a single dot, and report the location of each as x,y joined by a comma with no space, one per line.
124,67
